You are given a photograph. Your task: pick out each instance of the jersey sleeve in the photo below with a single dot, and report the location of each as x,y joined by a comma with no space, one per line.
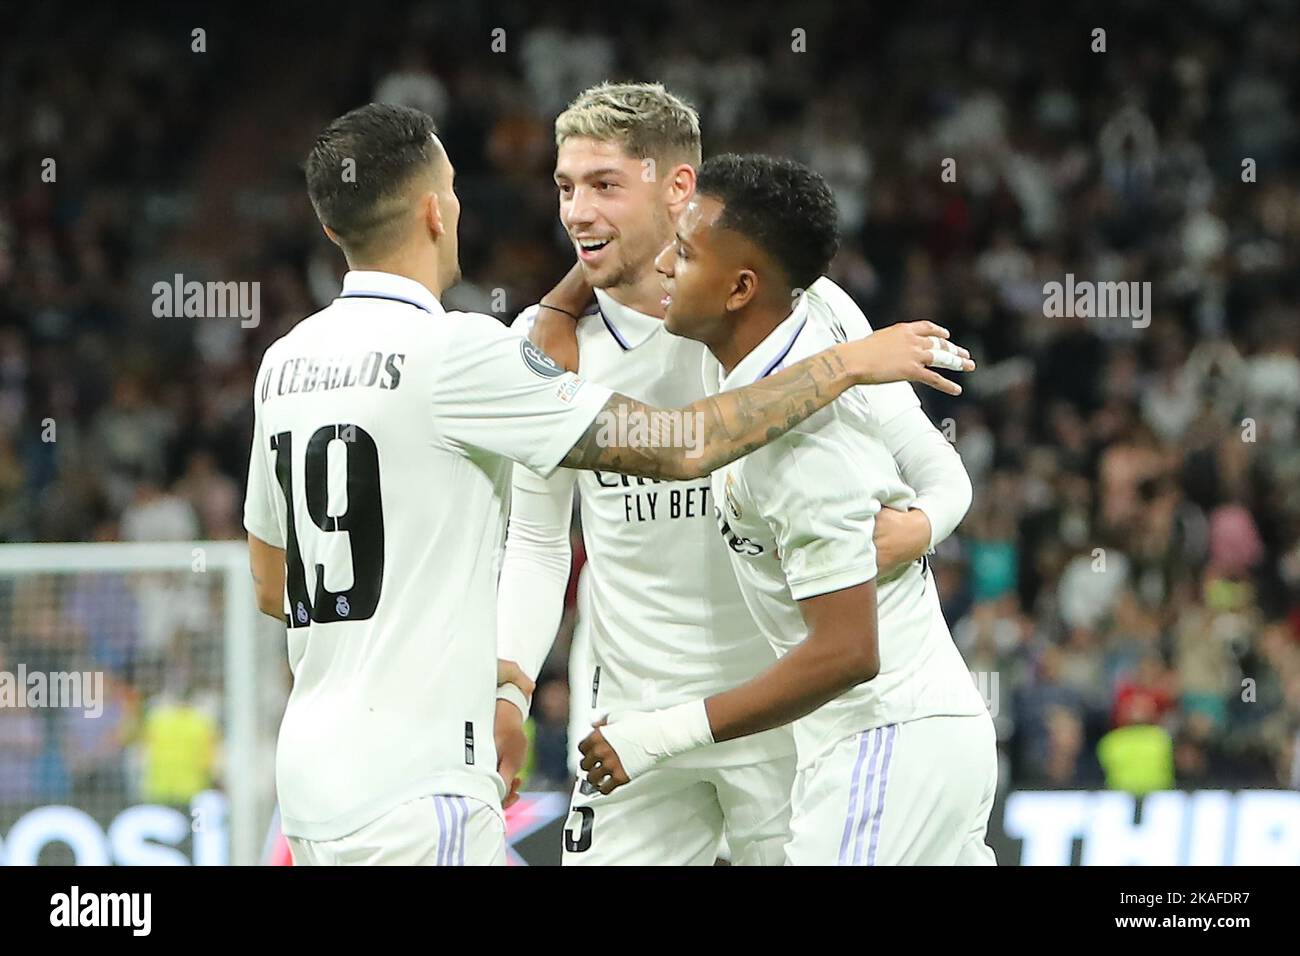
927,461
820,498
930,464
523,323
836,310
535,568
497,392
262,517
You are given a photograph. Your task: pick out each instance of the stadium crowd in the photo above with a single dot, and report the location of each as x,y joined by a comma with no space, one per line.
1126,586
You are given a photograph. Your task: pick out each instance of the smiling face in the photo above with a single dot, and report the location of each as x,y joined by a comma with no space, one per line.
616,212
708,273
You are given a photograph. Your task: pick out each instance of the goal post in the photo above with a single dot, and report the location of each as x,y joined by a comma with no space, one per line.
140,691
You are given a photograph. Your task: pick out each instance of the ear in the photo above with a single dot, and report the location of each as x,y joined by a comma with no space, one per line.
744,289
680,186
331,235
432,214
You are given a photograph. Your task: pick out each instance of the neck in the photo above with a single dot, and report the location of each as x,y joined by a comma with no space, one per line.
746,332
409,264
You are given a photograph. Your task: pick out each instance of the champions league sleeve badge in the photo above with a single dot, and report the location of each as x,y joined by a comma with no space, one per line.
538,362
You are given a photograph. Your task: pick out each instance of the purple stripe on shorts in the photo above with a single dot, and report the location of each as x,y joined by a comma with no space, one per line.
868,794
874,841
464,827
853,795
453,815
442,830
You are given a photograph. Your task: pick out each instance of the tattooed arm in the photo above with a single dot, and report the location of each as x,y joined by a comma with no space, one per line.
734,423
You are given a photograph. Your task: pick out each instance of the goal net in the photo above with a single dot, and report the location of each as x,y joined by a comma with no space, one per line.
140,695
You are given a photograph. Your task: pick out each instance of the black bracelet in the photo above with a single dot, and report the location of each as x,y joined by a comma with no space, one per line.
556,308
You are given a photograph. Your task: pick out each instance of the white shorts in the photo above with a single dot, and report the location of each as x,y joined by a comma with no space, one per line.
441,830
915,793
676,816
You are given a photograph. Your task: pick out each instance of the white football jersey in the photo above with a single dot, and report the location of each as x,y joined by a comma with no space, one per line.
666,622
381,464
797,517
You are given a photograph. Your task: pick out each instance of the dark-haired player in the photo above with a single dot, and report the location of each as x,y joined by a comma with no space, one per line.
896,753
385,428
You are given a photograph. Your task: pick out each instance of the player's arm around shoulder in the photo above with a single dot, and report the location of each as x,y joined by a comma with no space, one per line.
734,423
553,323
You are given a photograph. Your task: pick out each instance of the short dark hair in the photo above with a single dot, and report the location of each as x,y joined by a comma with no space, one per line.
387,145
783,206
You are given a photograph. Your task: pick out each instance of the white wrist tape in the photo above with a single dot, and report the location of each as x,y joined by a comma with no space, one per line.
943,354
643,739
516,696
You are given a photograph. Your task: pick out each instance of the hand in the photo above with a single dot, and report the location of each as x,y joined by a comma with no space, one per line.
512,748
604,769
508,672
556,333
903,353
900,538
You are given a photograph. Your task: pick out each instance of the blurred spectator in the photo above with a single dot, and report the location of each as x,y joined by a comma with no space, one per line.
158,515
213,497
104,605
411,83
1138,756
1090,586
95,747
1067,764
1044,694
22,741
551,736
179,742
1144,696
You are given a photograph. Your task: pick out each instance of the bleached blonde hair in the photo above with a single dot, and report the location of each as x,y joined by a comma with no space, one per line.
644,118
